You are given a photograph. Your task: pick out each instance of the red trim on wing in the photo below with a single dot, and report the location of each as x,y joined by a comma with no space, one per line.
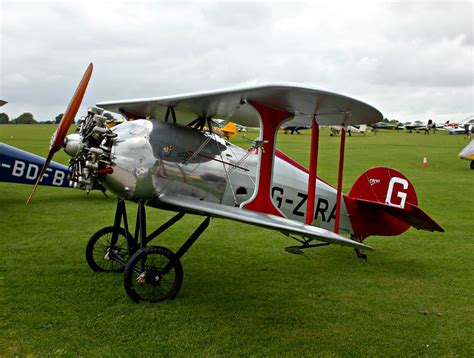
289,160
130,115
271,122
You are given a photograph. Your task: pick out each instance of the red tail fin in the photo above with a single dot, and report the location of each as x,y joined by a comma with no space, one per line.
383,202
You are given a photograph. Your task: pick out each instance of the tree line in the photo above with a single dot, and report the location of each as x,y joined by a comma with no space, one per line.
28,118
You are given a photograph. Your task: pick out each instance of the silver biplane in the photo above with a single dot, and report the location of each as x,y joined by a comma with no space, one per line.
166,156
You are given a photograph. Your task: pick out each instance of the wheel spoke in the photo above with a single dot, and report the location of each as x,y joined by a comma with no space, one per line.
102,256
145,278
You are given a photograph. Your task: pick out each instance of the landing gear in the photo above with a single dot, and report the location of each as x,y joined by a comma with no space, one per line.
151,273
305,244
107,250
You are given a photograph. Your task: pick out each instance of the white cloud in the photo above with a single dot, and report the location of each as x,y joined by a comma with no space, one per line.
409,60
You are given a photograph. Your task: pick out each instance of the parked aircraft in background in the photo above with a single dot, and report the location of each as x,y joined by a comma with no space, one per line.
229,130
400,126
425,126
461,126
221,123
468,153
293,129
419,126
383,125
388,125
361,129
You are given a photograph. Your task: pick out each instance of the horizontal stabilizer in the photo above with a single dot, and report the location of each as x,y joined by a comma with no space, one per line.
411,214
268,221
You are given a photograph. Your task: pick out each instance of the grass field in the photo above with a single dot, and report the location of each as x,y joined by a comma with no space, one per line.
242,294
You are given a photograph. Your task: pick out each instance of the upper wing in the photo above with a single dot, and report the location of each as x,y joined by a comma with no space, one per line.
301,101
259,219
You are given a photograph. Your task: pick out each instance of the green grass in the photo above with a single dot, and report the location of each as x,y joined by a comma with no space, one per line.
242,294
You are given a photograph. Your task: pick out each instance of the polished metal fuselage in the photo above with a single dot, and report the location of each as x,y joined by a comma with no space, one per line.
155,158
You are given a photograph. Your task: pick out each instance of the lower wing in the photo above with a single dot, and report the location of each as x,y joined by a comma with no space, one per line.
286,226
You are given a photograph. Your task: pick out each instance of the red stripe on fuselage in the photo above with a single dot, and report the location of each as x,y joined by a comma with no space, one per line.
291,161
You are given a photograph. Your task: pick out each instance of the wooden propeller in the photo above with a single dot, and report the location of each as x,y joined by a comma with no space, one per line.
57,139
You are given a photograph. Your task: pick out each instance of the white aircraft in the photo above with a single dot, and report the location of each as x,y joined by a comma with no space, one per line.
460,127
468,153
361,129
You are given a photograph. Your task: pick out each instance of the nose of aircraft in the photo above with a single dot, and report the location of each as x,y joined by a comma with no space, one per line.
72,144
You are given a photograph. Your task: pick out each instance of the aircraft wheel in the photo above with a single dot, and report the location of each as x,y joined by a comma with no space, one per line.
99,253
472,164
153,274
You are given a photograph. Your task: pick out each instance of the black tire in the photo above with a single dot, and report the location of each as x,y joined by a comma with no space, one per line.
144,279
472,164
99,245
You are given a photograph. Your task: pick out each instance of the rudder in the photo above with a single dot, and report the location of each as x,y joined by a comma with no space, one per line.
382,201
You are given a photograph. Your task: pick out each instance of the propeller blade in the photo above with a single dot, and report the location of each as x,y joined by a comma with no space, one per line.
57,139
38,179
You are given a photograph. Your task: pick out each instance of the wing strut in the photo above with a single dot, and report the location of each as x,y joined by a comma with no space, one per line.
313,166
340,173
271,120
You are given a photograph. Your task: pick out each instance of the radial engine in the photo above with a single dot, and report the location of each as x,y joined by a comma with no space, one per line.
90,149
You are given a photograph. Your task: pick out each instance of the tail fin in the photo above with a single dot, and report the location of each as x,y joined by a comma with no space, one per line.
229,130
383,202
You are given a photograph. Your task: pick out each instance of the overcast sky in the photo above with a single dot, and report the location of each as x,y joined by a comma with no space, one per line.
411,60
